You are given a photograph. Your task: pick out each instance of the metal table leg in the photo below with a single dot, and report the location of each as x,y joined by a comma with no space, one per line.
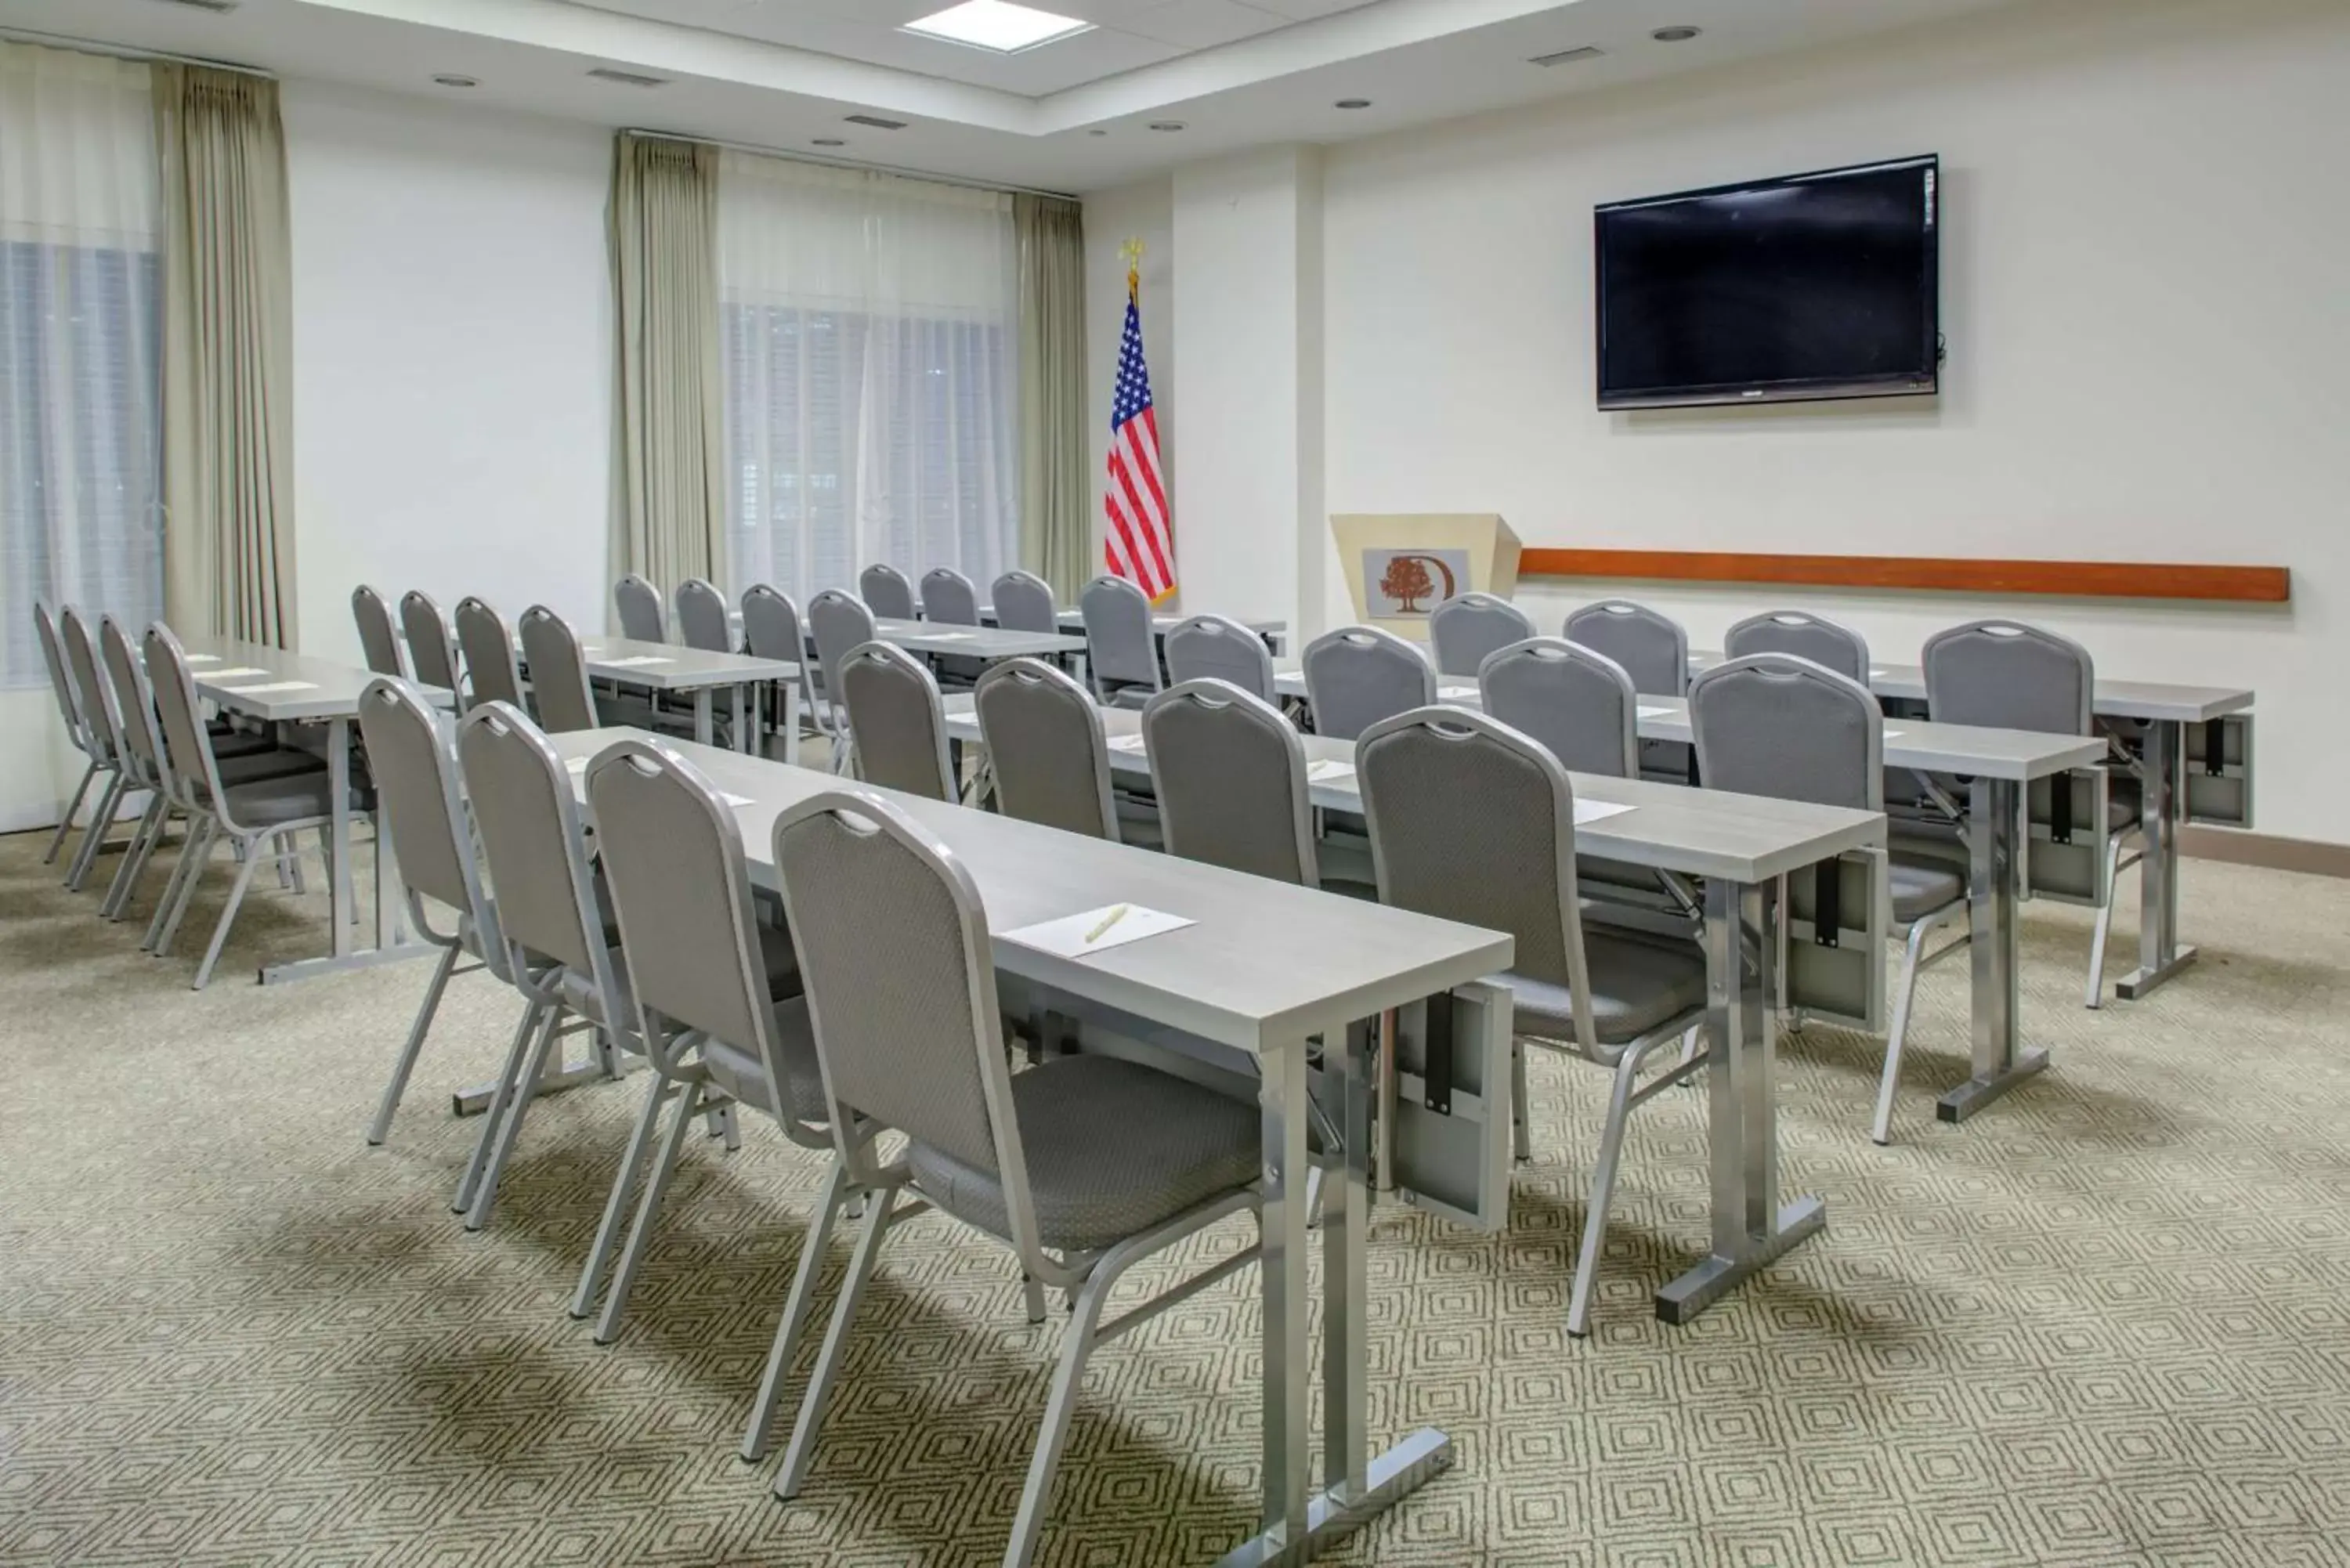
2159,956
747,739
342,901
1751,1228
1991,910
704,726
788,694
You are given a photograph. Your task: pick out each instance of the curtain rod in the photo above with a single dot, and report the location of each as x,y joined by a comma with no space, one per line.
795,156
126,52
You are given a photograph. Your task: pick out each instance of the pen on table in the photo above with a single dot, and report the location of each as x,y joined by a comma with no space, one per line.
1113,918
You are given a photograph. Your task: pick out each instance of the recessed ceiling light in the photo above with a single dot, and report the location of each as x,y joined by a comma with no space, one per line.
1097,130
1675,34
452,79
1354,103
828,141
997,25
1166,125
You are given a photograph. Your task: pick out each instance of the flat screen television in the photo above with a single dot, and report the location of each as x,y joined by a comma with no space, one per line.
1809,286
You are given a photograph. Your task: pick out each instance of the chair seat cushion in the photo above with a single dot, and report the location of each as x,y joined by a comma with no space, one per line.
270,762
578,991
740,1074
1113,1149
286,798
1637,984
1923,884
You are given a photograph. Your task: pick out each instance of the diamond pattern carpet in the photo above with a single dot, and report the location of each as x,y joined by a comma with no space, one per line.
2106,1322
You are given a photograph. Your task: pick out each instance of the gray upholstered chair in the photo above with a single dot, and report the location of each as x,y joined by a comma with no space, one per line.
885,588
1083,1165
411,757
1023,602
378,643
1121,647
899,720
1465,630
1217,647
1229,774
558,673
1046,749
102,743
1579,704
718,1009
702,620
491,672
1780,725
69,711
642,618
1359,675
948,598
2006,675
771,629
253,815
1653,648
1472,821
838,622
431,652
1824,642
558,954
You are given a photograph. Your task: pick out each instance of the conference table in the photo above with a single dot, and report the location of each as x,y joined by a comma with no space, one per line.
667,667
1274,630
1263,969
2000,764
282,689
986,643
1740,845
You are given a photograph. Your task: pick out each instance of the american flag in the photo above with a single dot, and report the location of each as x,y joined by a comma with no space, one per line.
1140,542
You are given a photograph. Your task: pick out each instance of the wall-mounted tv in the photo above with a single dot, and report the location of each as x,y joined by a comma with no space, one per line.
1809,286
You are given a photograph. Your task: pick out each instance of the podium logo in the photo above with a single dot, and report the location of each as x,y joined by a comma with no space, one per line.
1405,585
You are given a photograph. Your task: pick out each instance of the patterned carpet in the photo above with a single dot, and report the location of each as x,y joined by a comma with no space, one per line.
2106,1323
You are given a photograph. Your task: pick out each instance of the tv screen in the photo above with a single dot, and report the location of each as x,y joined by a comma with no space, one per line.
1814,285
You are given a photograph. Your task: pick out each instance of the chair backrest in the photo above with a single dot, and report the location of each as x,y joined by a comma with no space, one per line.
1653,648
431,652
771,624
194,772
1778,725
411,758
1579,704
1465,630
489,654
898,721
531,841
1229,774
1046,748
60,681
672,855
1120,649
702,619
639,604
2003,674
378,642
885,588
1359,675
948,598
1806,636
838,622
901,982
1023,602
558,673
134,707
97,698
1472,821
1217,647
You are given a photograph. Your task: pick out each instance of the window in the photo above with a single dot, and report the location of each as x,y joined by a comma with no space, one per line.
80,326
868,329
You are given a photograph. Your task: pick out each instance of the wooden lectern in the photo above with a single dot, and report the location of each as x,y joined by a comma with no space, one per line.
1400,565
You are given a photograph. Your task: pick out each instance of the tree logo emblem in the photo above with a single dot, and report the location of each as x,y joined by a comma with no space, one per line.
1408,581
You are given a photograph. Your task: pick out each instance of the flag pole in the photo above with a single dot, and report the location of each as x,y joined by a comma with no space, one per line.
1132,252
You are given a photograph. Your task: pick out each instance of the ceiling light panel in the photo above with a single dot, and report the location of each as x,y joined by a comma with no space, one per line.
998,25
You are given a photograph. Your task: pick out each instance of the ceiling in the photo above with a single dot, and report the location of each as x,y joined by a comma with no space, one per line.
1072,114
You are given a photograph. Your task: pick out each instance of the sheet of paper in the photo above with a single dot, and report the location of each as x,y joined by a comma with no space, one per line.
1588,811
267,686
204,657
1656,712
1328,772
1894,734
1132,745
239,672
949,636
1456,693
636,661
1096,930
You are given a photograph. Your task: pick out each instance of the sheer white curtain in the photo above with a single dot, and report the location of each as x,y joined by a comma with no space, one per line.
80,333
871,339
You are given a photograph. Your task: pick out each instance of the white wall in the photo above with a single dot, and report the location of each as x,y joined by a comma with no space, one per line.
1144,211
451,356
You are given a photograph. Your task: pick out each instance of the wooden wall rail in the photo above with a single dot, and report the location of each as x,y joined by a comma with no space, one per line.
2082,580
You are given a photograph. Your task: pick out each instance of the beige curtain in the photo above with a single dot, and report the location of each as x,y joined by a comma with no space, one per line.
1056,492
228,345
668,506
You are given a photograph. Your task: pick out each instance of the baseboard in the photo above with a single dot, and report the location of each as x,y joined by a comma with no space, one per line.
2265,849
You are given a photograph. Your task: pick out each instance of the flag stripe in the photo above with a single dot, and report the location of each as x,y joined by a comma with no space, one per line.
1139,542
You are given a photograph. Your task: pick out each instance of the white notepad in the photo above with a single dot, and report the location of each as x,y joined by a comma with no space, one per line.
1096,930
636,661
1891,734
268,686
948,636
1132,744
1456,693
204,657
1590,811
1656,712
1328,772
235,674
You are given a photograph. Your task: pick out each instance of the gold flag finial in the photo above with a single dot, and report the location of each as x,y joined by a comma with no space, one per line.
1132,252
